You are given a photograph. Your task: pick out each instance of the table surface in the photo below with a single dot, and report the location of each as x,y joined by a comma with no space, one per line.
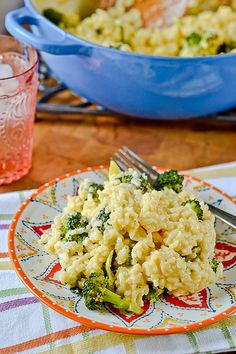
64,145
61,146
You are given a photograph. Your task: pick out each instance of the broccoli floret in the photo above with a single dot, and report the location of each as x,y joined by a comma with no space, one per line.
79,238
63,231
170,179
94,188
75,221
194,39
214,264
110,275
145,185
126,178
154,294
142,183
53,16
96,295
196,206
103,216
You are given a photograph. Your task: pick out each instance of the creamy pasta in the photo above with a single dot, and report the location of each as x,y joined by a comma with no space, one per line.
207,28
155,239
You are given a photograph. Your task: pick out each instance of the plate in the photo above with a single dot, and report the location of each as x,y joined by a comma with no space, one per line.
39,270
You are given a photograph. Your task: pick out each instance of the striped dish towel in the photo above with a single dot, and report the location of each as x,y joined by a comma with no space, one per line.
27,326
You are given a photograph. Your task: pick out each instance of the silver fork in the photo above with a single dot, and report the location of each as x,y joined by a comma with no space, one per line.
126,158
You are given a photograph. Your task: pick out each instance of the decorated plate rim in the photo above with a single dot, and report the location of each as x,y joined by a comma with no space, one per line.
83,320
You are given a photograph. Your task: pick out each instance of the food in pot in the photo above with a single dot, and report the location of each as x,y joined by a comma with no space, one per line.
207,28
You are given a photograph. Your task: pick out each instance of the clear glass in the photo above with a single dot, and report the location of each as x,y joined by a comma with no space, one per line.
18,94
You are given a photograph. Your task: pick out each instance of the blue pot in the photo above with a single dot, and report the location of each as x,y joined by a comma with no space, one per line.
132,84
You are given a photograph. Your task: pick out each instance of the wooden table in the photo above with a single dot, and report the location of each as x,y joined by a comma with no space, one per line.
61,146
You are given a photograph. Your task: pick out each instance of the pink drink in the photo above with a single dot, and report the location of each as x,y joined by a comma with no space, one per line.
18,93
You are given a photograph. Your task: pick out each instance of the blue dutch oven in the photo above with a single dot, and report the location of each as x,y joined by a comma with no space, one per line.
129,83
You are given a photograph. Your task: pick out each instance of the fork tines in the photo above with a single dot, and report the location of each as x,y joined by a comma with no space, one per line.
126,158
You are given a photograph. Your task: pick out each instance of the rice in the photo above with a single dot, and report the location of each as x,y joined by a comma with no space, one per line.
157,238
208,28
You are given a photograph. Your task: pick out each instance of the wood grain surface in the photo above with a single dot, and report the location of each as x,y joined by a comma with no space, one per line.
61,146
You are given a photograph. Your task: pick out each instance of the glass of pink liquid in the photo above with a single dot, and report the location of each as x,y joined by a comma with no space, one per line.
18,94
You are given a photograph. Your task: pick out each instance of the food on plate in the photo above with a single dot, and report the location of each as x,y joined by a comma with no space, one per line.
128,240
207,28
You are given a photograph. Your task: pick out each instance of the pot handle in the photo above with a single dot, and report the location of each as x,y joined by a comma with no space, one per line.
61,46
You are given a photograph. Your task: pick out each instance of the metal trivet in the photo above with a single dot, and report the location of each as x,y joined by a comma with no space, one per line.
85,107
49,88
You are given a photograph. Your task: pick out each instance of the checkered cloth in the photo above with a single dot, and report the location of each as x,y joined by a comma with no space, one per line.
27,326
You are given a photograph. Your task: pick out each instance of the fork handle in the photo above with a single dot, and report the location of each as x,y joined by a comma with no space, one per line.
229,219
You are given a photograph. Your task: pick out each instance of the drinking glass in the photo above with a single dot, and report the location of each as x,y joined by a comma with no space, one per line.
18,94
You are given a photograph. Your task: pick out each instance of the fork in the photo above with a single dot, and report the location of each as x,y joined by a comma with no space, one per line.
126,158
